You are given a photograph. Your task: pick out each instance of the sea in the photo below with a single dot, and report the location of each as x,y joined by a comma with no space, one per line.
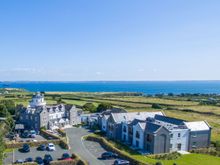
145,87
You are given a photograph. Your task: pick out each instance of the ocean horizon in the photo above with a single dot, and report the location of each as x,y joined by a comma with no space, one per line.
145,87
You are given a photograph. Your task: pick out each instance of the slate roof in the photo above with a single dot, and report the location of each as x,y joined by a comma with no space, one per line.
113,110
126,117
152,127
169,119
135,121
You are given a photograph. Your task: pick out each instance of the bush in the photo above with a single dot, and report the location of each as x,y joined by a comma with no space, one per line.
208,151
167,156
89,107
61,132
158,163
46,134
217,145
32,144
156,106
104,106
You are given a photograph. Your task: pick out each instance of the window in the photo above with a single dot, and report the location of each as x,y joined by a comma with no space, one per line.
179,146
178,134
171,135
124,129
137,134
148,138
194,144
171,145
130,130
194,135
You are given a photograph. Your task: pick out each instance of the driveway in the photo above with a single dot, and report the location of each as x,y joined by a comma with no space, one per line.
77,145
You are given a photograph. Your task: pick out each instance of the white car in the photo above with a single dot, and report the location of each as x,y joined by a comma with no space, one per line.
121,162
51,147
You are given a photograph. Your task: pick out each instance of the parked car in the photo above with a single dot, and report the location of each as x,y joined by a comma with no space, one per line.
51,147
25,148
19,161
42,147
121,162
28,160
25,134
33,134
66,156
39,161
109,155
47,159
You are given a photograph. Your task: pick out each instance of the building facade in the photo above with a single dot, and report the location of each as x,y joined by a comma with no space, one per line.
38,114
154,133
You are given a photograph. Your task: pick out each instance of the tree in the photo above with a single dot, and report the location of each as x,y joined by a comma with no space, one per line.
59,101
3,110
10,105
10,123
156,106
89,107
2,145
104,106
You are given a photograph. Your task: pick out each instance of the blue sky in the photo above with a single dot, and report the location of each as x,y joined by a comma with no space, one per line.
70,40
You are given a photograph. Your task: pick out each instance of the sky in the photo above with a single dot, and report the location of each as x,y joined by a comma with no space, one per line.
92,40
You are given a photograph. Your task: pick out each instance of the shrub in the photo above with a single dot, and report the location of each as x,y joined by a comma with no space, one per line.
32,144
89,107
156,106
104,106
168,156
208,151
158,163
217,145
61,132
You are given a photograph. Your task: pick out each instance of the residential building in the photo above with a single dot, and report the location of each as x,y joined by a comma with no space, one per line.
199,135
154,133
116,120
38,114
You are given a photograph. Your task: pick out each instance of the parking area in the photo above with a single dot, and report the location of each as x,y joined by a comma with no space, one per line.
97,150
13,156
36,138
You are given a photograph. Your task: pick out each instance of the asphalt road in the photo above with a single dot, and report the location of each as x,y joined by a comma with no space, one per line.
77,145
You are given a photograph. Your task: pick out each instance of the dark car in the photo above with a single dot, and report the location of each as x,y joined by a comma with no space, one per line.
66,156
25,134
47,159
19,161
29,160
109,155
25,148
39,161
42,147
121,162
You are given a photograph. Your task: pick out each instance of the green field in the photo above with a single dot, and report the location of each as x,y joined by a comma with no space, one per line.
187,108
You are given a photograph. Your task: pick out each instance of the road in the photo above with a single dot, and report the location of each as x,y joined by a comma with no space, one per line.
77,145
